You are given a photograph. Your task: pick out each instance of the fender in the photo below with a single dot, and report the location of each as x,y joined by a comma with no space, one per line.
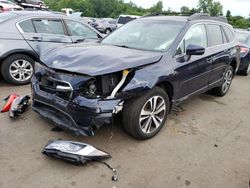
20,51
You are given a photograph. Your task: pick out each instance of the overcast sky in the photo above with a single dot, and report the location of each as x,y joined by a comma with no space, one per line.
237,7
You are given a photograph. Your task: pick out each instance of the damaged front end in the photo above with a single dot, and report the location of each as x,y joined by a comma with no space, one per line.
77,103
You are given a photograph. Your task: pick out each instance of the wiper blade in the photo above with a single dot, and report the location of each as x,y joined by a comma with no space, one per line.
122,46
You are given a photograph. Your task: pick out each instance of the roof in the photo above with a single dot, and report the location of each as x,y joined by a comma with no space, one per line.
194,17
37,13
166,18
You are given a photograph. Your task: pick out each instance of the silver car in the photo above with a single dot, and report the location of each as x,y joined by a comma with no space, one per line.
33,2
106,25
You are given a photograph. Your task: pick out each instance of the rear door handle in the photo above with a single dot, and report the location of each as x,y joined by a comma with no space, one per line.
36,38
79,40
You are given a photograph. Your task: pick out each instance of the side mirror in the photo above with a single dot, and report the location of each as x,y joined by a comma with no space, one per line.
195,50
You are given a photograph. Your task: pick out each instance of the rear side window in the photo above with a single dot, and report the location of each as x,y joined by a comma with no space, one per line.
196,35
215,35
48,26
124,20
112,22
27,26
229,33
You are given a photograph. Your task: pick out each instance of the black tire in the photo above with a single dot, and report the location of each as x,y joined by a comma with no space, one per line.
221,91
107,31
8,64
132,112
246,71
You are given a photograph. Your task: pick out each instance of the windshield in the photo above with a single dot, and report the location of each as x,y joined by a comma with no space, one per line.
6,16
243,38
145,35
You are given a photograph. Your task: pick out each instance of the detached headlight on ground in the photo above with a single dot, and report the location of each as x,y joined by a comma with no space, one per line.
74,152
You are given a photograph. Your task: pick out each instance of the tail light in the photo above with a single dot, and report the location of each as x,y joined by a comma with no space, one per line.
6,9
244,51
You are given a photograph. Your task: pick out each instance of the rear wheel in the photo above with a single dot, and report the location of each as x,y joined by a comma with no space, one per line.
227,80
144,117
18,69
246,71
107,31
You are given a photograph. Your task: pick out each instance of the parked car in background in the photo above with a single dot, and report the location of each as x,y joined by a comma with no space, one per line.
105,25
244,40
25,35
144,69
33,2
67,11
123,19
8,6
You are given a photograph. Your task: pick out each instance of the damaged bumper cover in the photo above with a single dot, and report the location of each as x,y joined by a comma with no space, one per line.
80,115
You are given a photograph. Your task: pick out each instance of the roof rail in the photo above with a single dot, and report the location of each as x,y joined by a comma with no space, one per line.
167,14
198,16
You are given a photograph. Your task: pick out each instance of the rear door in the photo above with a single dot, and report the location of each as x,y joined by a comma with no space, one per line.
219,52
43,34
192,73
80,32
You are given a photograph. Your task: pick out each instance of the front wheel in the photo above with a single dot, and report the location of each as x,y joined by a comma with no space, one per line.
144,117
227,80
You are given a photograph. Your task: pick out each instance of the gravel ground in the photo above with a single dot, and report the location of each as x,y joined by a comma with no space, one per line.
204,145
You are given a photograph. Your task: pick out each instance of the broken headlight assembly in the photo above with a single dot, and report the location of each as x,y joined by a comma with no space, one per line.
105,86
74,152
77,153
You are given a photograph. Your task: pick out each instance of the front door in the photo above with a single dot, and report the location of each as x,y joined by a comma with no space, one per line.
192,72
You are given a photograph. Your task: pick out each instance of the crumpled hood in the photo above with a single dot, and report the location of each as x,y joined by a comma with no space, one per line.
97,59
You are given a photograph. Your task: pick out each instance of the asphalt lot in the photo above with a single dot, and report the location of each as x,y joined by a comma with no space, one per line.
205,146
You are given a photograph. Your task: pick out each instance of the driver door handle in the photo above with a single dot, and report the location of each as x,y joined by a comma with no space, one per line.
210,59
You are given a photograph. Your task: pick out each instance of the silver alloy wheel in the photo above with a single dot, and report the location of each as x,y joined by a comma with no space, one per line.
152,114
21,70
228,77
107,31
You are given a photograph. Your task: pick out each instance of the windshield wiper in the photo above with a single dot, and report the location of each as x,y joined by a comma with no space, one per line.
122,46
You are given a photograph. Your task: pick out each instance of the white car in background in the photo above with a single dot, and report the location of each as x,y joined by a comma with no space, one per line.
123,19
8,6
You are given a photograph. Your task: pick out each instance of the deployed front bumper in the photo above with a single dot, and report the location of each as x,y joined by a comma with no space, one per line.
79,115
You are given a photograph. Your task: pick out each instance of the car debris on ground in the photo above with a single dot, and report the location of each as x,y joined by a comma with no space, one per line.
9,100
16,104
77,153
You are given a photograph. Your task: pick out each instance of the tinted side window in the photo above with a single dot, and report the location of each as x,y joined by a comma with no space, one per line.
197,36
215,35
112,22
229,33
27,26
79,29
124,20
48,26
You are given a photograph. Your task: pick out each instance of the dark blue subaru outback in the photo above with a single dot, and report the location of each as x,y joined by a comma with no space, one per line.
142,70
